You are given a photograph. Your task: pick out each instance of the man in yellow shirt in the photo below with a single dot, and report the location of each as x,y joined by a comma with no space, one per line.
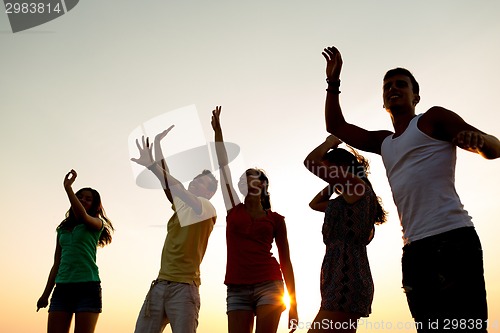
174,296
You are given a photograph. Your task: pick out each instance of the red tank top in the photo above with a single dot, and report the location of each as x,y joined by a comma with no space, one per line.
249,243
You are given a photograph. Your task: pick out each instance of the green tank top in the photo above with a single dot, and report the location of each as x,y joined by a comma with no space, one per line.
78,256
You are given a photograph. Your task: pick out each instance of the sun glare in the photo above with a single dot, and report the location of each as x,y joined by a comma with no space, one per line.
286,300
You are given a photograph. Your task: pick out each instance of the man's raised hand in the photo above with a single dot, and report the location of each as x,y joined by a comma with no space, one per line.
333,63
145,153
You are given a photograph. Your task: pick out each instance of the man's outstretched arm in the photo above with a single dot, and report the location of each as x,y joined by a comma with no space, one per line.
370,141
170,184
446,125
163,163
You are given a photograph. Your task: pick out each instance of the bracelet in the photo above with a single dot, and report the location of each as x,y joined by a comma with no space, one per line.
334,83
333,86
333,91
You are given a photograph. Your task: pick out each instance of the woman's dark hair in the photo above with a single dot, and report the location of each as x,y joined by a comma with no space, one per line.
358,166
265,196
95,210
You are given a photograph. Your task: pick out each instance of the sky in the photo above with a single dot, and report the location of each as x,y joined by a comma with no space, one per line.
76,90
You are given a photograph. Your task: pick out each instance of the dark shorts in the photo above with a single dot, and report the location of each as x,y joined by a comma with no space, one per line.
444,282
77,297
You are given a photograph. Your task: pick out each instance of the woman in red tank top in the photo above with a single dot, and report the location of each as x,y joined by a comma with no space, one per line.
254,278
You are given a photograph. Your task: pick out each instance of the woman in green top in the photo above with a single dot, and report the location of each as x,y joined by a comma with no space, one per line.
74,273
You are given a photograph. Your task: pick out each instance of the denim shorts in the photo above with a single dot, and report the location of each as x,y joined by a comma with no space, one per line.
77,297
444,283
250,296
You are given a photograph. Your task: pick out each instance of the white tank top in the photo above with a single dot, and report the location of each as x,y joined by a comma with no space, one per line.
421,172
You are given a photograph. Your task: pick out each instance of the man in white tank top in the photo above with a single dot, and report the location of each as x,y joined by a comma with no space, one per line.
442,258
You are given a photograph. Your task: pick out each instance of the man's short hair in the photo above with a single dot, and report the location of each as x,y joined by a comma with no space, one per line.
213,184
403,71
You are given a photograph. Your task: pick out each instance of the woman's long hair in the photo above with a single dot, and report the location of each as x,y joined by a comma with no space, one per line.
95,210
358,166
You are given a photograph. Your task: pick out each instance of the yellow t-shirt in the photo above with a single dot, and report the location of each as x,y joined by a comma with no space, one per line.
186,242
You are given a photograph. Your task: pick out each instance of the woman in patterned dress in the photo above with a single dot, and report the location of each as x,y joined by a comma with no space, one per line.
346,281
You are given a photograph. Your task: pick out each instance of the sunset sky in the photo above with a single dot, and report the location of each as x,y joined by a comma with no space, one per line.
76,91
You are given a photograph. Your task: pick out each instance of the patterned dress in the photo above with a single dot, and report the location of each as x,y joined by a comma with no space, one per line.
346,280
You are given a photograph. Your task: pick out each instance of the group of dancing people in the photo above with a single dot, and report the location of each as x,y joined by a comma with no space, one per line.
442,261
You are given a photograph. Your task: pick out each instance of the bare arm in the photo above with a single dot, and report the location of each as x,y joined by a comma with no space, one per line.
163,163
332,174
320,200
370,141
43,301
228,192
287,270
76,206
446,125
315,157
170,184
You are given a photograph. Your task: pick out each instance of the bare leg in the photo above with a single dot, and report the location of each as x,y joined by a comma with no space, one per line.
240,321
59,322
268,318
85,322
334,322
